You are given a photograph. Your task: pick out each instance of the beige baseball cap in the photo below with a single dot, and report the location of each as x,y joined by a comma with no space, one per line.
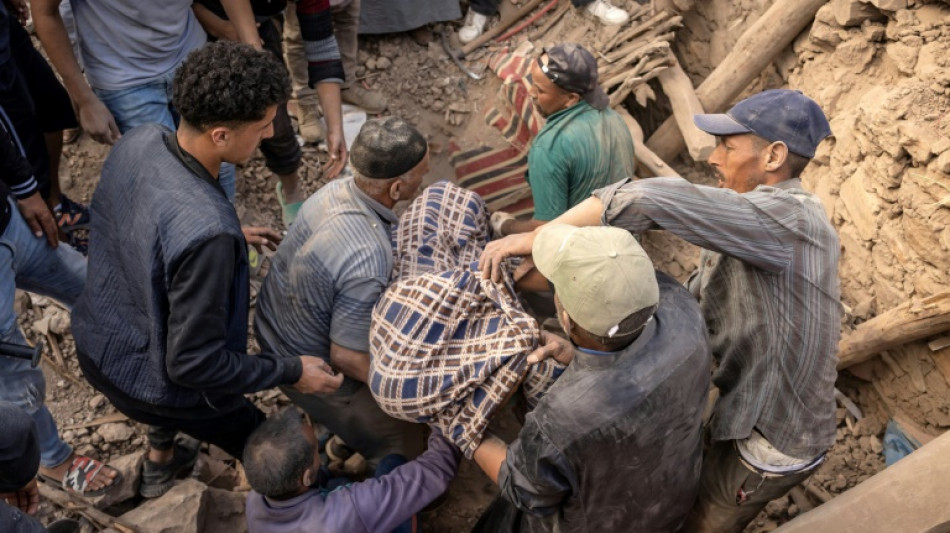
601,274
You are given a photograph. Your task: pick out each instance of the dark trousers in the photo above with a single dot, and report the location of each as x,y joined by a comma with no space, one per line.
724,475
281,152
490,7
26,80
228,431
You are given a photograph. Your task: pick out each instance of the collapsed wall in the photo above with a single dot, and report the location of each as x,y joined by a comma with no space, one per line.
880,71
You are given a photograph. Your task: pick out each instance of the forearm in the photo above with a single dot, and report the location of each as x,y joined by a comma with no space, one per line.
351,363
52,34
242,17
521,226
332,104
490,455
213,25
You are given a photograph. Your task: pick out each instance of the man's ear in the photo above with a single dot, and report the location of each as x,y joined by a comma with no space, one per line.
220,135
309,477
775,156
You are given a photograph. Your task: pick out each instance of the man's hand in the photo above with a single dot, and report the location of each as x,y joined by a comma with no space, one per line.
554,346
26,499
21,10
39,218
259,237
336,144
317,377
497,251
95,118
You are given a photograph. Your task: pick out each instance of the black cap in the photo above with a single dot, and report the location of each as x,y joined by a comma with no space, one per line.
19,451
572,68
387,148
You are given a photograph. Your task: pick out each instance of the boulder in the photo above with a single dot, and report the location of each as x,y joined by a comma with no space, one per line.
180,510
115,432
224,512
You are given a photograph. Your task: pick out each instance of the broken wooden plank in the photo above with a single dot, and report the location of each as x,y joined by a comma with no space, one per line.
646,159
757,47
679,89
906,496
77,505
114,417
500,28
911,321
54,347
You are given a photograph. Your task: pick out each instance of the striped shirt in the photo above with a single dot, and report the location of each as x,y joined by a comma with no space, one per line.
323,53
769,292
327,275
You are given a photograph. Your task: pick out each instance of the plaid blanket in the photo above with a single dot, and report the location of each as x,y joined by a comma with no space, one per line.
446,346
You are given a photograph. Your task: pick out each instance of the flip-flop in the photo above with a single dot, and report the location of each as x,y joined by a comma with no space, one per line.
81,473
288,212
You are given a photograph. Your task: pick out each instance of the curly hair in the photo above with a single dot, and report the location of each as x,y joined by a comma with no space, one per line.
225,83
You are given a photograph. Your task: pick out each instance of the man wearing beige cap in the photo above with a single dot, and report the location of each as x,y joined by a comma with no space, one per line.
768,287
615,444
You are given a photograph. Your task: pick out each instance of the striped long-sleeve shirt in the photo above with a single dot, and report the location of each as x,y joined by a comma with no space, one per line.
769,293
323,54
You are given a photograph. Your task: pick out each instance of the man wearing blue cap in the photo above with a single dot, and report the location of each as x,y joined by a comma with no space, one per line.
768,289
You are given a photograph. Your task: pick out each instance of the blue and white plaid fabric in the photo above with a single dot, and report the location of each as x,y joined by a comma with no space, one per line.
448,347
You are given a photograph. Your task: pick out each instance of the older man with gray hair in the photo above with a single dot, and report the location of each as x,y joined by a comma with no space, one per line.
329,272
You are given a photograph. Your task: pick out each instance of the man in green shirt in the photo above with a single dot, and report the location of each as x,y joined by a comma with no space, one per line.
584,145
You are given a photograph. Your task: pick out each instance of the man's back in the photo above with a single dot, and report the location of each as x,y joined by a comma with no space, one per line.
327,275
616,443
580,149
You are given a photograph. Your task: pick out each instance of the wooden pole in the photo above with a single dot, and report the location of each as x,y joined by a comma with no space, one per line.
500,28
757,47
679,89
646,159
79,506
908,322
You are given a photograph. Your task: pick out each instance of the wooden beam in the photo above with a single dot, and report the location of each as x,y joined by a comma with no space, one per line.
679,89
77,505
757,47
911,321
646,159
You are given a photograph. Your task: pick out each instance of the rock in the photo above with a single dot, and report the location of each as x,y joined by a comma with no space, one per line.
355,466
861,205
216,473
854,12
224,512
115,432
130,467
876,445
97,401
889,5
383,63
180,510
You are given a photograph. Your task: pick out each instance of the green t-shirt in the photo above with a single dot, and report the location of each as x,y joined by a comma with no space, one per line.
579,150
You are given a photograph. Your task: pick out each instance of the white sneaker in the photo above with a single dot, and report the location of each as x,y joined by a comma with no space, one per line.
474,26
608,14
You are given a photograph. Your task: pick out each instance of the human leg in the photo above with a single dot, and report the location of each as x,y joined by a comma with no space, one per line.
606,12
357,419
281,152
479,11
308,118
346,22
731,494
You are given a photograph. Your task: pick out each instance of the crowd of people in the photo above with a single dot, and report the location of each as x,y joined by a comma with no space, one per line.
404,336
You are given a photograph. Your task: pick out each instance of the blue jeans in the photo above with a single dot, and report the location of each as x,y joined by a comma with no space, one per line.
30,264
151,103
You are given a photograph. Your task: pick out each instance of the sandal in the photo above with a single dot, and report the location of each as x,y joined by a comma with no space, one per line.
288,212
81,473
157,479
71,215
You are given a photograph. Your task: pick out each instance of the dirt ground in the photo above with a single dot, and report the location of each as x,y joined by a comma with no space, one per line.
888,70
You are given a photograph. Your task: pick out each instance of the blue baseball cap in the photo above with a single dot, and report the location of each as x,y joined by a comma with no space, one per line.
775,115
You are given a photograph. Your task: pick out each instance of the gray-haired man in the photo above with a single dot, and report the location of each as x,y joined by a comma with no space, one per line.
329,272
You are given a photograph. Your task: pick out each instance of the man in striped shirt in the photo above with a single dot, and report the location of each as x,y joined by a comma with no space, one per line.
769,292
329,272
